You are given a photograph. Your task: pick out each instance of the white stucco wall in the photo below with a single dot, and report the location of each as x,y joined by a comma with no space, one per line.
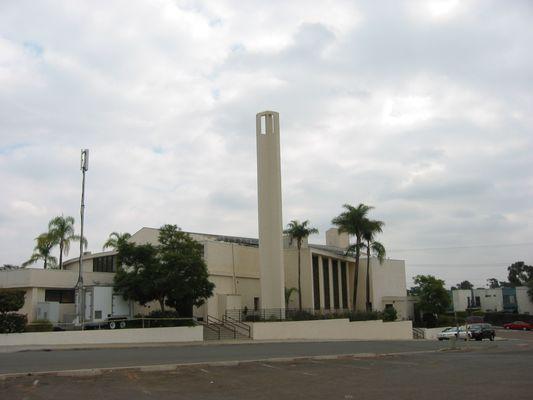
341,329
152,335
525,305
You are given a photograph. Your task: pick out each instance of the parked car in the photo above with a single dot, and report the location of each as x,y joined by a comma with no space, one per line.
481,331
450,333
524,326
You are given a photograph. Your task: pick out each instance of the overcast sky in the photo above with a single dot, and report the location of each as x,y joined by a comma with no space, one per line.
422,109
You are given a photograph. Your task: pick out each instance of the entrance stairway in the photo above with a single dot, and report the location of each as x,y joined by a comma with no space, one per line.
227,329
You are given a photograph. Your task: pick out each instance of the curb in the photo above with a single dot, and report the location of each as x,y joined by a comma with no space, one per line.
233,363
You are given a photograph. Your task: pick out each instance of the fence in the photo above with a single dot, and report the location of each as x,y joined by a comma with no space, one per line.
118,323
284,314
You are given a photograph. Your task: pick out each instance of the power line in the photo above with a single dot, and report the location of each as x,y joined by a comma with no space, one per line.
464,247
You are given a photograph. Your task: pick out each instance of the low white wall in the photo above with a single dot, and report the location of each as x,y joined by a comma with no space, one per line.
431,333
333,329
149,335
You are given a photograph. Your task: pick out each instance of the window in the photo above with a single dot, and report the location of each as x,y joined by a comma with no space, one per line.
316,283
104,264
256,303
344,281
59,296
336,284
325,270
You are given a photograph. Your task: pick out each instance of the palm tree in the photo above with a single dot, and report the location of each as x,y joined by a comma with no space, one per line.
374,247
42,251
115,239
352,221
61,230
288,294
299,231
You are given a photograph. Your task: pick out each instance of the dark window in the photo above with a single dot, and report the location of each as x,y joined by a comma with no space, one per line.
104,264
59,296
316,283
256,303
325,269
344,281
335,267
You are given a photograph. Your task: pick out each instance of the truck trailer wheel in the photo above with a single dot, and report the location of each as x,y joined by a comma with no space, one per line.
112,325
122,324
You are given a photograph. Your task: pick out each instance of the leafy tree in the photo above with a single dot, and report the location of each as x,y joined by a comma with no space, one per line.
464,285
299,231
61,229
11,300
172,273
352,221
494,283
288,294
373,247
520,273
115,239
43,251
432,296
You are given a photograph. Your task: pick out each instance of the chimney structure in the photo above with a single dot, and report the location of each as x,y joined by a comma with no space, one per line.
269,211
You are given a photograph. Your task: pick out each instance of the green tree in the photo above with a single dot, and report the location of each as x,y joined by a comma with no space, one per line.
11,300
299,231
433,298
61,229
172,273
520,273
43,251
373,247
115,239
352,221
288,294
464,285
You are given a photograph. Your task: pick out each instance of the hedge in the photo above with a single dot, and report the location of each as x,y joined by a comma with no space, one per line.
12,322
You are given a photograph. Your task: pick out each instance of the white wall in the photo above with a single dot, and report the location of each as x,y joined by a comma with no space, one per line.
341,329
151,335
525,305
460,299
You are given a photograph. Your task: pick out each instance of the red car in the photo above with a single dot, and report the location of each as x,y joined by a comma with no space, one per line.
524,326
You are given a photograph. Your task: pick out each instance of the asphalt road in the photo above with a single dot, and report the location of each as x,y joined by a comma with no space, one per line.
491,372
57,360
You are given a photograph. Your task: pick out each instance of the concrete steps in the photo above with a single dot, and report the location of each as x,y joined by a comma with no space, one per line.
211,332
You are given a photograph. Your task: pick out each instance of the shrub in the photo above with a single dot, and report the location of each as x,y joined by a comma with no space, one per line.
389,314
301,316
40,325
161,319
363,316
11,300
12,323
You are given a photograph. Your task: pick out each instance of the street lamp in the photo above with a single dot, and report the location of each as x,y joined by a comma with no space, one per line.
79,285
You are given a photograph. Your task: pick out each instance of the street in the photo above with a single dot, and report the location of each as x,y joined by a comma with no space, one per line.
490,372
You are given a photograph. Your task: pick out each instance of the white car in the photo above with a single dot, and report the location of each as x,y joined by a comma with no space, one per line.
453,332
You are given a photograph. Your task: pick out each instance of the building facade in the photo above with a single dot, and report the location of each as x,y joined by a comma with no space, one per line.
327,276
504,299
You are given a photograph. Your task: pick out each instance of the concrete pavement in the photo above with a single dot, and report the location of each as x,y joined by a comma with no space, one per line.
39,361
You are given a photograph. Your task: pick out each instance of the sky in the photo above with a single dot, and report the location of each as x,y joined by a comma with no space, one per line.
421,109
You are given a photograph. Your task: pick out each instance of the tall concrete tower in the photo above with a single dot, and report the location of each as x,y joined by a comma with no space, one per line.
270,220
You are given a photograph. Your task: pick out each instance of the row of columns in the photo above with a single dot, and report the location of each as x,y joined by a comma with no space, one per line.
329,264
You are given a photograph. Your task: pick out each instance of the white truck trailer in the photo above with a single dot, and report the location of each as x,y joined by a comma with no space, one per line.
103,307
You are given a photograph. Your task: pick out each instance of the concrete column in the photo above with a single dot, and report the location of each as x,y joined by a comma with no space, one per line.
321,283
339,284
269,210
331,283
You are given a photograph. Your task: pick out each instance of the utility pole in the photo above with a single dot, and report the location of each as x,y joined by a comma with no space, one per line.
79,284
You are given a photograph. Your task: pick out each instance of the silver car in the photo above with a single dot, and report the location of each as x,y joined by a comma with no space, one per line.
453,332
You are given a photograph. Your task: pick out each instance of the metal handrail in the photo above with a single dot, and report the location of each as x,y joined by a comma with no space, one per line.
222,323
239,324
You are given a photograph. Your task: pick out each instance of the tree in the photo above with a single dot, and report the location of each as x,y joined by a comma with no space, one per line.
432,296
11,300
115,239
61,229
520,274
172,273
464,285
352,221
493,283
288,294
373,247
299,231
42,251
